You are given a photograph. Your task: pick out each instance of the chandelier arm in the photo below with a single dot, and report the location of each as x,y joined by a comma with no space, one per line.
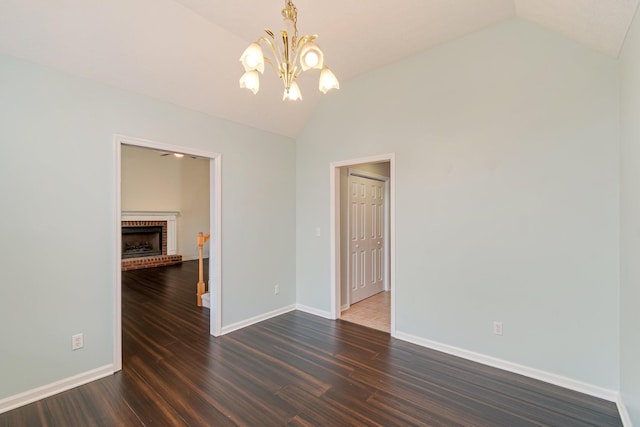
270,62
277,54
297,72
273,51
285,43
268,42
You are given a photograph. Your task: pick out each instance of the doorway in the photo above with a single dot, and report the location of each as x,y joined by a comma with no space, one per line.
360,259
215,276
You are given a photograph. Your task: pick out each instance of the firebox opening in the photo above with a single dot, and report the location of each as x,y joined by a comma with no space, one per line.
140,242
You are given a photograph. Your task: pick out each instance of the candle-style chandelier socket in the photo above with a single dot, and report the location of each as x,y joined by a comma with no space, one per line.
289,60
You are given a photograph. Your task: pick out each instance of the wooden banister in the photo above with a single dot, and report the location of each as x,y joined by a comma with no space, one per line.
202,239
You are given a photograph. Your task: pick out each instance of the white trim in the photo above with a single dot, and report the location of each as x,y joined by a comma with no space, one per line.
367,174
548,377
379,158
117,259
315,311
215,252
334,241
257,319
391,272
334,230
145,214
30,396
345,307
624,413
146,143
215,245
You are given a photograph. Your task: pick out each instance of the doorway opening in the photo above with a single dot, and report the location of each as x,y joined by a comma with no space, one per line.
362,241
214,220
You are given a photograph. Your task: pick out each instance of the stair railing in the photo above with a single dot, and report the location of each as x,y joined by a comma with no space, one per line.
202,239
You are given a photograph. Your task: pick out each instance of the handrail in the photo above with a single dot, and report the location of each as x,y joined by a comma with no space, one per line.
202,239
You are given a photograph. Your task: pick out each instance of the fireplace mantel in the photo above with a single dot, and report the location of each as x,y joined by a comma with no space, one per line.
169,216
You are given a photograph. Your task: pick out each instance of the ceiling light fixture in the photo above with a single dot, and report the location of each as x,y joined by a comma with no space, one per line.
289,60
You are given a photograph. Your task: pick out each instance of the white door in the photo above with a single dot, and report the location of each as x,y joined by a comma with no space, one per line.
366,237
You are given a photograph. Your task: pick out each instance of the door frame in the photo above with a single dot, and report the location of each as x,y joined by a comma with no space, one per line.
334,230
215,225
354,171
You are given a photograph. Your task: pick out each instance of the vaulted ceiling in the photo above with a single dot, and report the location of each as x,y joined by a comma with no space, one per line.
186,51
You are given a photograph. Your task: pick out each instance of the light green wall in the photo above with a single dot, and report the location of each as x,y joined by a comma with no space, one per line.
507,203
630,219
57,185
507,195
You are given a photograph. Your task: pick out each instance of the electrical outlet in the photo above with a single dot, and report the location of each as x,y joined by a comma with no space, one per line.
497,328
77,341
276,289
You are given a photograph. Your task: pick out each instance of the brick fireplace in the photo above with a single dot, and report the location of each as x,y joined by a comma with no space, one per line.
143,238
149,240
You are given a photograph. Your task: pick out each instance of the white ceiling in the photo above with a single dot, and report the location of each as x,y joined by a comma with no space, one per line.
186,51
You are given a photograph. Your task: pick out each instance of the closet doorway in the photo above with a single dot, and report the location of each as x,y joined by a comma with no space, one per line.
363,242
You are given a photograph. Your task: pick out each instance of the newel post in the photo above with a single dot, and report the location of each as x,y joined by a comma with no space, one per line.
202,239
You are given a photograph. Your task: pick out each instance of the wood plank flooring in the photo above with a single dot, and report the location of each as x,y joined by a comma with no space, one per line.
295,369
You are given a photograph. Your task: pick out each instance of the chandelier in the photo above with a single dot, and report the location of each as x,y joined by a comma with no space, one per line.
289,60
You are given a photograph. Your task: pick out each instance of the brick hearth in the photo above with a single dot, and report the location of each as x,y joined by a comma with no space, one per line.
150,261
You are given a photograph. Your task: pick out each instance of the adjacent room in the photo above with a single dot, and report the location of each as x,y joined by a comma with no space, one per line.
466,175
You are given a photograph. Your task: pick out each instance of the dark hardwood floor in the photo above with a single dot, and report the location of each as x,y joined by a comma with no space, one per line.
295,369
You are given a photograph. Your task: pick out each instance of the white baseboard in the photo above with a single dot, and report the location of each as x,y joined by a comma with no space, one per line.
345,307
314,311
259,318
534,373
30,396
624,413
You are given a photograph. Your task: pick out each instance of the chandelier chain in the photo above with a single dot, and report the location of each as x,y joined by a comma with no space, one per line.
294,18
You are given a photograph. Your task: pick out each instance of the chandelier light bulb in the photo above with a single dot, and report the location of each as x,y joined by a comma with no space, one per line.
250,80
328,81
311,59
293,94
311,56
252,58
252,61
